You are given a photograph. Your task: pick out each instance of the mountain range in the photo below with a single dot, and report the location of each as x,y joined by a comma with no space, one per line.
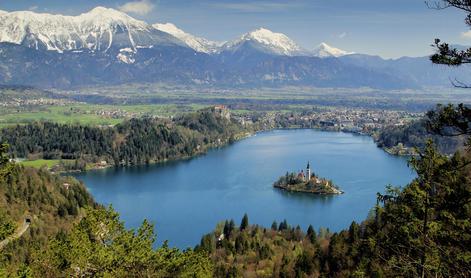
106,47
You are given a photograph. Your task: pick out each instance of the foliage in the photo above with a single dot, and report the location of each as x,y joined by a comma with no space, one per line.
289,179
7,226
421,230
51,203
256,251
5,165
415,135
446,54
449,120
136,141
99,245
245,222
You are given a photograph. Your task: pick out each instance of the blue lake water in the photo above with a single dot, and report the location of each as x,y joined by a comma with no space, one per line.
186,199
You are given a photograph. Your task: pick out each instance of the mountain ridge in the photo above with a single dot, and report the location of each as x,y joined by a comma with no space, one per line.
105,46
325,50
268,41
97,30
197,43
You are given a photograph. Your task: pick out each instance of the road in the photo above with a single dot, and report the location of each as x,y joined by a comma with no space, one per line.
18,233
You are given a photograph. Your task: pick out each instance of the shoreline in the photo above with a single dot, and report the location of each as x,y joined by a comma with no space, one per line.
294,190
238,137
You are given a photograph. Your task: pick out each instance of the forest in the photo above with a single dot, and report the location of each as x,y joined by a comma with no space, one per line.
419,230
51,203
71,235
415,135
133,142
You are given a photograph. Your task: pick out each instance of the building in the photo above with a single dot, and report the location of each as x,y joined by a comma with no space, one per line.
308,171
305,176
301,176
223,111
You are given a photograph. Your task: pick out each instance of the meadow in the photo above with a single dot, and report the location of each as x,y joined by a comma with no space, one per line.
90,114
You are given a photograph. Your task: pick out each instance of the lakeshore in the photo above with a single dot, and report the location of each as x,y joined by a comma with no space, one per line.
227,182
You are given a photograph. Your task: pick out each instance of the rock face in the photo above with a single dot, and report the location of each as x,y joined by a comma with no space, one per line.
98,30
194,42
108,47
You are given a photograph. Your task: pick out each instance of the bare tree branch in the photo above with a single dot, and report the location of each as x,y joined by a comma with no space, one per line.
464,5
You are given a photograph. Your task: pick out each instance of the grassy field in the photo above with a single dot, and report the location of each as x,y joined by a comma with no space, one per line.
42,162
90,114
137,100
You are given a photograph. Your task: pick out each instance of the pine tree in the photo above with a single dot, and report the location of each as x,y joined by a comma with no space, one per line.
274,226
311,234
283,226
244,223
5,165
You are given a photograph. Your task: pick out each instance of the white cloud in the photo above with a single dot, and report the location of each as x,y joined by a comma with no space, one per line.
342,35
33,8
141,7
466,35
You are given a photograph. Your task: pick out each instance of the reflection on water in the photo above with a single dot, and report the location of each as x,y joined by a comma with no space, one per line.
186,199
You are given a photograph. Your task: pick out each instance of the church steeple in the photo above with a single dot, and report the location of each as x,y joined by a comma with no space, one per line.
308,171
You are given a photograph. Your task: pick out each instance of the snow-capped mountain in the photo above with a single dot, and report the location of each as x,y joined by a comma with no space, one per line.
97,30
266,41
324,50
106,46
197,43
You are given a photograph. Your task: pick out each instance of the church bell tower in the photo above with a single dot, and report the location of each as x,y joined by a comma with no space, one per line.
308,172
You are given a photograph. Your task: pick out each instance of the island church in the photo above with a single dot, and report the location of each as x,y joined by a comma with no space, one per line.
306,176
309,176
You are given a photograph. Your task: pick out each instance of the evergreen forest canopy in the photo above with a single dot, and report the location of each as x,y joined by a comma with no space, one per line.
133,142
421,230
415,135
71,236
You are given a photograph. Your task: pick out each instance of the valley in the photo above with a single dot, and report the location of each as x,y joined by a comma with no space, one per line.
111,105
134,132
358,111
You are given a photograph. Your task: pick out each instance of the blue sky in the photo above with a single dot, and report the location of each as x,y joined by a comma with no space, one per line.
390,28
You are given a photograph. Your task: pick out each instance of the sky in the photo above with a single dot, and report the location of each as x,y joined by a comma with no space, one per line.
389,28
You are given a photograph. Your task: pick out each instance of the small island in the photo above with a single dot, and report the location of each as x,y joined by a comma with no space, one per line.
306,182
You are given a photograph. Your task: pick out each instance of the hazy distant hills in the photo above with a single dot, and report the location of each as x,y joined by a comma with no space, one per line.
105,46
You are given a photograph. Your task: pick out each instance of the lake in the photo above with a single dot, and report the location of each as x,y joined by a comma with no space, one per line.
186,199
